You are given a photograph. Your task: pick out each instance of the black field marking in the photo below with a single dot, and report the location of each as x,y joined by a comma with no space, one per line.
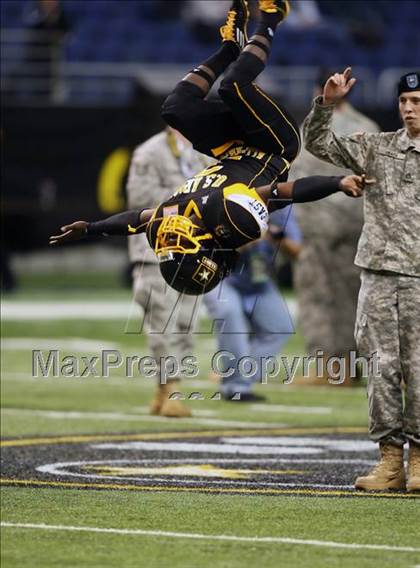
307,462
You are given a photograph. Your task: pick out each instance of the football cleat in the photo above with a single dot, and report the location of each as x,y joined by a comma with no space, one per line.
235,28
279,7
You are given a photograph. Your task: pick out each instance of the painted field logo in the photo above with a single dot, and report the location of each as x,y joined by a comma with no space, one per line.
275,461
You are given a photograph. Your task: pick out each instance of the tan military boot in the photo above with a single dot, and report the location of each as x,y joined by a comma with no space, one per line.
388,473
164,405
413,481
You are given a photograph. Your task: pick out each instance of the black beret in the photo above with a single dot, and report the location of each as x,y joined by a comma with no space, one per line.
409,82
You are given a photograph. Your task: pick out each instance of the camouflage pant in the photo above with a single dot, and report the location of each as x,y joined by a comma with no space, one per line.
388,322
327,283
168,319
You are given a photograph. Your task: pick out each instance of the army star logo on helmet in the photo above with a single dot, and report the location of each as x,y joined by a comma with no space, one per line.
204,274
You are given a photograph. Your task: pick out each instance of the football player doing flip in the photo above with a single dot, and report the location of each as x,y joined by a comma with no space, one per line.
196,232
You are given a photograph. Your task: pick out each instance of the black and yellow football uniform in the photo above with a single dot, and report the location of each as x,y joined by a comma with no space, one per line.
254,140
252,137
231,211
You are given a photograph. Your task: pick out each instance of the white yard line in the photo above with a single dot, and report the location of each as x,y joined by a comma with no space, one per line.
61,343
202,413
291,409
220,537
12,376
73,415
96,310
16,376
53,310
77,415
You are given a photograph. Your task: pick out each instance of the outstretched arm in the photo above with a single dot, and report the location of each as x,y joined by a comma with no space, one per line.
126,223
311,188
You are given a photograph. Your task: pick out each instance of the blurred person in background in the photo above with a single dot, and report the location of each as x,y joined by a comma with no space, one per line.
388,311
326,279
158,167
203,18
250,316
48,23
305,15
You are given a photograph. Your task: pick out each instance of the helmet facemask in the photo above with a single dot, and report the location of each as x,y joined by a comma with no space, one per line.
178,234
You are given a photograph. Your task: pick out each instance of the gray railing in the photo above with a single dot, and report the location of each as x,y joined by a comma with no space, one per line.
34,72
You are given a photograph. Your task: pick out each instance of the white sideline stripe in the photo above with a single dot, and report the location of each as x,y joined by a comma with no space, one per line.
8,375
16,376
77,415
197,412
291,409
103,310
60,343
196,536
20,311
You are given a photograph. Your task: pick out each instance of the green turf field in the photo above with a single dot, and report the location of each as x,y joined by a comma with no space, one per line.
200,526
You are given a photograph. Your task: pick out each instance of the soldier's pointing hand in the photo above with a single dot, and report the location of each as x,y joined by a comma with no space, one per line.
337,86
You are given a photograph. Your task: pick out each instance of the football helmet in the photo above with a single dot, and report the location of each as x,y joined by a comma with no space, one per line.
190,260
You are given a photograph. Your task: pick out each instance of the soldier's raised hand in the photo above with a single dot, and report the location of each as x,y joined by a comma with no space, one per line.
337,86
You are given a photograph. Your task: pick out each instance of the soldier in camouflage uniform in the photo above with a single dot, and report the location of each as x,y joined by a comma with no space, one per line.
388,314
326,279
158,167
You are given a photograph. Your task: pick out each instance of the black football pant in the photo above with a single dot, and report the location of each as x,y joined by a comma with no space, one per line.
244,113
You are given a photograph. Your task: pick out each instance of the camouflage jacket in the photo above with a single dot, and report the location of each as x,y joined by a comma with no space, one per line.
337,218
390,239
158,167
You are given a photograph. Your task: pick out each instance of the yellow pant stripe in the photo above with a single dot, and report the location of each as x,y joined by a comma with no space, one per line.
257,117
280,111
261,170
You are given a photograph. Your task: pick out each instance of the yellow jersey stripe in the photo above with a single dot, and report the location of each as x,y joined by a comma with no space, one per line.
220,149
